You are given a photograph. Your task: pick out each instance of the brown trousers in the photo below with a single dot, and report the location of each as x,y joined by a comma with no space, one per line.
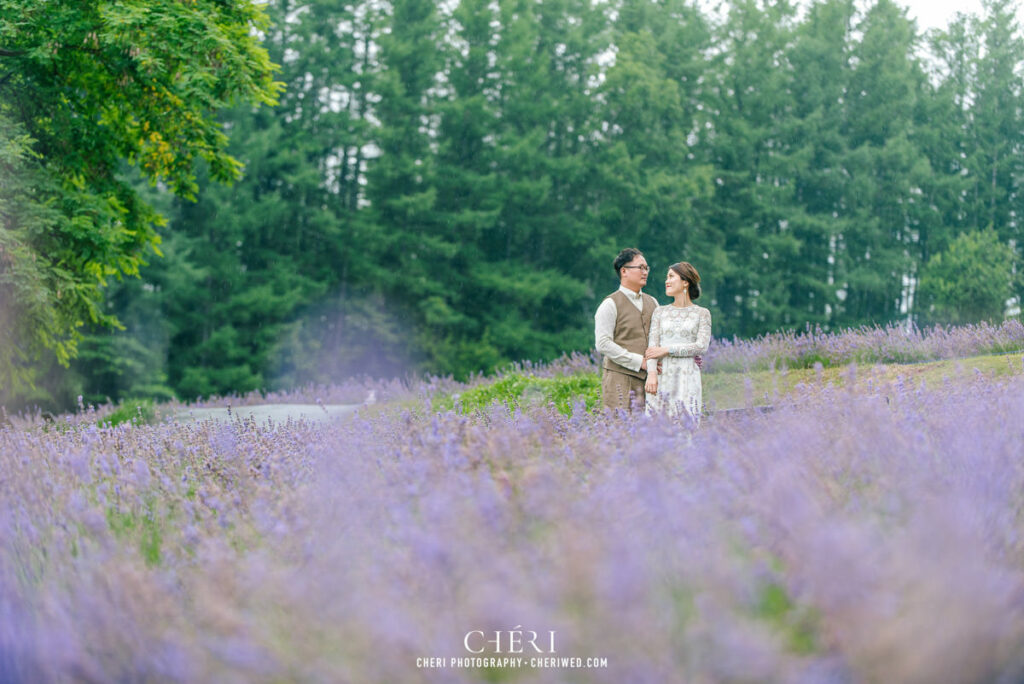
621,391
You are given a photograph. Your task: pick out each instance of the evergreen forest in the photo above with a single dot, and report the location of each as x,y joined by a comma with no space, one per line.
215,197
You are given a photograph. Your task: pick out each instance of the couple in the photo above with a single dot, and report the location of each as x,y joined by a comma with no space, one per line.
652,353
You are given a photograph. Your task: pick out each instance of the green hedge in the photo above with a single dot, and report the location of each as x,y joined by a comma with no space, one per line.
134,411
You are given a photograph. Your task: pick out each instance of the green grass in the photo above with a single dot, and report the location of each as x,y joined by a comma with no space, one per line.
495,675
144,526
797,624
522,390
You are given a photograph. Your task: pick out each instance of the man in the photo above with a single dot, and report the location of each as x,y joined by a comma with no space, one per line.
621,327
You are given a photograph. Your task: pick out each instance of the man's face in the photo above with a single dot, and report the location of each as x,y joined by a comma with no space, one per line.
634,274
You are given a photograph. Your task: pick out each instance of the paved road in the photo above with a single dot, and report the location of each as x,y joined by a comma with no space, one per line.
279,413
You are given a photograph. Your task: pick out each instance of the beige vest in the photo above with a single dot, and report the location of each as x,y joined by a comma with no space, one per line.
632,329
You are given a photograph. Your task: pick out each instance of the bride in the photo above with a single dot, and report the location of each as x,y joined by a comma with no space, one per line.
679,332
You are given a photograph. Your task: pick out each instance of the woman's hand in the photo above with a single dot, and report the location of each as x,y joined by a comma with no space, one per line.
651,386
656,352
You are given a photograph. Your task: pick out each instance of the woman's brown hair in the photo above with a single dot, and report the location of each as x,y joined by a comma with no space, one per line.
687,272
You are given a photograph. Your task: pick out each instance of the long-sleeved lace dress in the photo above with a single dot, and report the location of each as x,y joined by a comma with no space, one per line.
685,332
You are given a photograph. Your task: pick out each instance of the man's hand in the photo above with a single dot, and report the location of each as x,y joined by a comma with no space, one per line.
699,361
656,352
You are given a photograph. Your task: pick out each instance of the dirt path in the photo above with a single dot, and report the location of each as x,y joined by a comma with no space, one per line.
278,413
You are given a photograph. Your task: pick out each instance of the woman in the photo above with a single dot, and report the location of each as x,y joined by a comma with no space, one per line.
679,332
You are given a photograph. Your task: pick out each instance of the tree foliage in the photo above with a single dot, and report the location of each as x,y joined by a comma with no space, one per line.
970,281
443,186
84,89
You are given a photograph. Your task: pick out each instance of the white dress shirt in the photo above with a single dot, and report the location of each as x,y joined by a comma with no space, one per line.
604,330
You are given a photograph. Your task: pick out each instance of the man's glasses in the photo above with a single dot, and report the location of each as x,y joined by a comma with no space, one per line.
642,268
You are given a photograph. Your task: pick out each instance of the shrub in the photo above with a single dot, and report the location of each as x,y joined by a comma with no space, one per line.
134,411
517,391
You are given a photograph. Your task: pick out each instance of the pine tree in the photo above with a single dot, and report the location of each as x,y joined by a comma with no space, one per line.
886,169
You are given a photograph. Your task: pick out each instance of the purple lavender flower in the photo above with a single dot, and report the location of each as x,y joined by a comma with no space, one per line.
865,533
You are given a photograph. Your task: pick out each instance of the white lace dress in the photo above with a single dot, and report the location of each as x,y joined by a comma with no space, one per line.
685,332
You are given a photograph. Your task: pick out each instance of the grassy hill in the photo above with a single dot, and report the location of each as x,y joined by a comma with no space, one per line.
725,390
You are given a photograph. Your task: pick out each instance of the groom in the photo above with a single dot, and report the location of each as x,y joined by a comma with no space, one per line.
621,327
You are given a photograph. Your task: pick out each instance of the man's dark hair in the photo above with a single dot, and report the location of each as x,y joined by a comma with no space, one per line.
625,256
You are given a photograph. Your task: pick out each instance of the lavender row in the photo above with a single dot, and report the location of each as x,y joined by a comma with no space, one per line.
868,344
893,343
866,533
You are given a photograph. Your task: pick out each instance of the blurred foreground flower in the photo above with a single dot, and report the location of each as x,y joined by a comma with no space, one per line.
868,533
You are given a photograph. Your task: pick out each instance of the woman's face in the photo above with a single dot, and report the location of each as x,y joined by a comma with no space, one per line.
674,285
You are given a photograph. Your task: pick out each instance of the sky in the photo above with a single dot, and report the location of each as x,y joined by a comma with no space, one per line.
937,13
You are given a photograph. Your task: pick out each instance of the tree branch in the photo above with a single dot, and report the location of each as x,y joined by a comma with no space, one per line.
12,53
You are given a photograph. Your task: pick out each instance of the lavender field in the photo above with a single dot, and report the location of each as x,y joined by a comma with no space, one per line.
863,531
